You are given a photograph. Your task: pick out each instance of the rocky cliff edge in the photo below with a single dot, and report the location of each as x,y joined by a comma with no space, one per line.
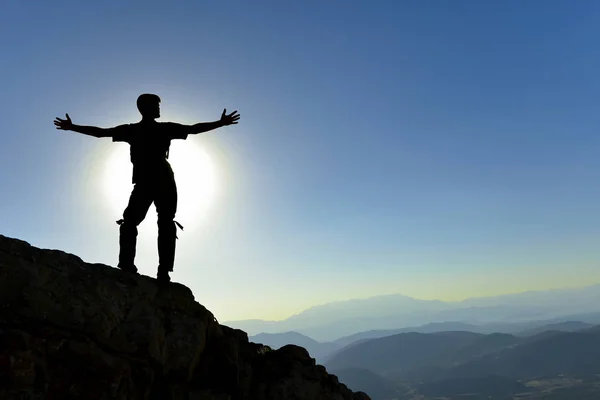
74,330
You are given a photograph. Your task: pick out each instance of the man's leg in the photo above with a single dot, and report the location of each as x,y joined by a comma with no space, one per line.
139,203
166,206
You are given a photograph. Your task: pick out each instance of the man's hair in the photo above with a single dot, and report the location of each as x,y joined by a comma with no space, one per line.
145,100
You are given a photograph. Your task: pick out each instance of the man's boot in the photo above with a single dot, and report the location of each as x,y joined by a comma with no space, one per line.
127,242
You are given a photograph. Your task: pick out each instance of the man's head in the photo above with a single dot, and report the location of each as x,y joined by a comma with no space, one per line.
149,105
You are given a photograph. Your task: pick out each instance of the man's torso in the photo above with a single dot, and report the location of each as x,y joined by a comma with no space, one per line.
149,146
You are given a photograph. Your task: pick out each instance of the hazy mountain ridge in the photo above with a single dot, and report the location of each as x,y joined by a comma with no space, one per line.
547,365
460,350
567,326
322,351
564,353
427,328
539,345
400,352
332,321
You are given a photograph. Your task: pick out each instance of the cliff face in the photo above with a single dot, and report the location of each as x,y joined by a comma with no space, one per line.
73,330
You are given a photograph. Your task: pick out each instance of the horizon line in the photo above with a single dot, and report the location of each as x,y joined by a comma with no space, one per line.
558,289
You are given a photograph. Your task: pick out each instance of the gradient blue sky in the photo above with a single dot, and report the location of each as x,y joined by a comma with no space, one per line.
438,149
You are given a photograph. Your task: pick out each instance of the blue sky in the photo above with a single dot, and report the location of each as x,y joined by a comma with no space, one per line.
435,149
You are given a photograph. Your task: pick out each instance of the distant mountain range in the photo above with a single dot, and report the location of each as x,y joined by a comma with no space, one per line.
570,353
536,345
549,365
404,351
567,326
321,351
567,323
539,360
427,328
328,322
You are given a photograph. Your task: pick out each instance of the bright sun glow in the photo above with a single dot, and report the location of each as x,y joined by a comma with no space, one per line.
194,174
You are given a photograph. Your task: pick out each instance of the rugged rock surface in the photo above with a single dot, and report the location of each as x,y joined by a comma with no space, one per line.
73,330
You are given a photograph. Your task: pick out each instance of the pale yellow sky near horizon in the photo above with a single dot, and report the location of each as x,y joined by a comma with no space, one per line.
281,311
293,296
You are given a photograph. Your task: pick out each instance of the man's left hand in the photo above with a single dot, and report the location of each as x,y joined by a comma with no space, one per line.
229,119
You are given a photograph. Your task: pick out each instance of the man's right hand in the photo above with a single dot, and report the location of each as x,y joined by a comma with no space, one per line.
64,124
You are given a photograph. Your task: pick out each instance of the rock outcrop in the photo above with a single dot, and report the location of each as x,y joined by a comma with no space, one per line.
73,330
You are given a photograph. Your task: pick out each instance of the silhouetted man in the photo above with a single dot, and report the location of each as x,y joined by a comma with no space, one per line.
153,177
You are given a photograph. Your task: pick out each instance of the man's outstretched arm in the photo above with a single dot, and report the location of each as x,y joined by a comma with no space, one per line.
68,125
226,119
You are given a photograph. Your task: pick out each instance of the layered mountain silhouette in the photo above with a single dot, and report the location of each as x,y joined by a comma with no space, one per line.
427,328
323,351
551,364
567,326
332,321
467,354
